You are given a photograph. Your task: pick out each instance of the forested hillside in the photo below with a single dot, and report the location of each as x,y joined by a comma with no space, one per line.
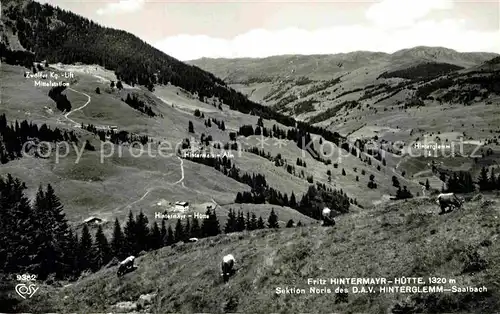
423,71
56,35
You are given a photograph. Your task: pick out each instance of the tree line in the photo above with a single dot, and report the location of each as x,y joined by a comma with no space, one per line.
36,237
116,137
423,71
139,105
303,140
220,123
14,136
320,196
237,221
488,182
261,192
16,57
278,161
463,182
298,136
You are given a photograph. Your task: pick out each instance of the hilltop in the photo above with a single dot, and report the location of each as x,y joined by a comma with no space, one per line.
407,238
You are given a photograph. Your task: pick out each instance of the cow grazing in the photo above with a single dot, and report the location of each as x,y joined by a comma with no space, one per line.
227,266
192,240
126,266
448,200
327,219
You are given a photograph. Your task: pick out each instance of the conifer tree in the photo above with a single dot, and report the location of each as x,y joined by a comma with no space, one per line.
210,226
239,198
215,224
61,231
179,231
85,249
493,180
156,239
293,201
100,250
195,228
260,122
290,223
163,233
205,225
253,222
34,239
231,222
260,223
247,222
117,241
240,223
45,250
272,221
483,180
142,232
74,253
187,229
130,246
170,236
15,214
52,236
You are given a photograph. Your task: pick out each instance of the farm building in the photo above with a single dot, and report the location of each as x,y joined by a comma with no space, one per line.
93,221
181,206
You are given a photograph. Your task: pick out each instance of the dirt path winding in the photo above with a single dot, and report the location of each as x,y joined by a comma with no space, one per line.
79,108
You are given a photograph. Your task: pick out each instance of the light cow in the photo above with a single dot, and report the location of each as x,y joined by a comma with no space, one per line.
227,266
448,200
327,219
126,266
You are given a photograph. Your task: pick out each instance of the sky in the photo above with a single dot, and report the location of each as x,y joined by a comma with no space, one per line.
190,30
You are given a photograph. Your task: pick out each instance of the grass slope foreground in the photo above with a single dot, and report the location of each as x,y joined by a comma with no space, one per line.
405,239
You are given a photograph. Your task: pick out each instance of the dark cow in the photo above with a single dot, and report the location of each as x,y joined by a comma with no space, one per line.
448,200
327,218
126,266
227,267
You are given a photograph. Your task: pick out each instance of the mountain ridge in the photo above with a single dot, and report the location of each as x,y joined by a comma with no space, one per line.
421,48
323,66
